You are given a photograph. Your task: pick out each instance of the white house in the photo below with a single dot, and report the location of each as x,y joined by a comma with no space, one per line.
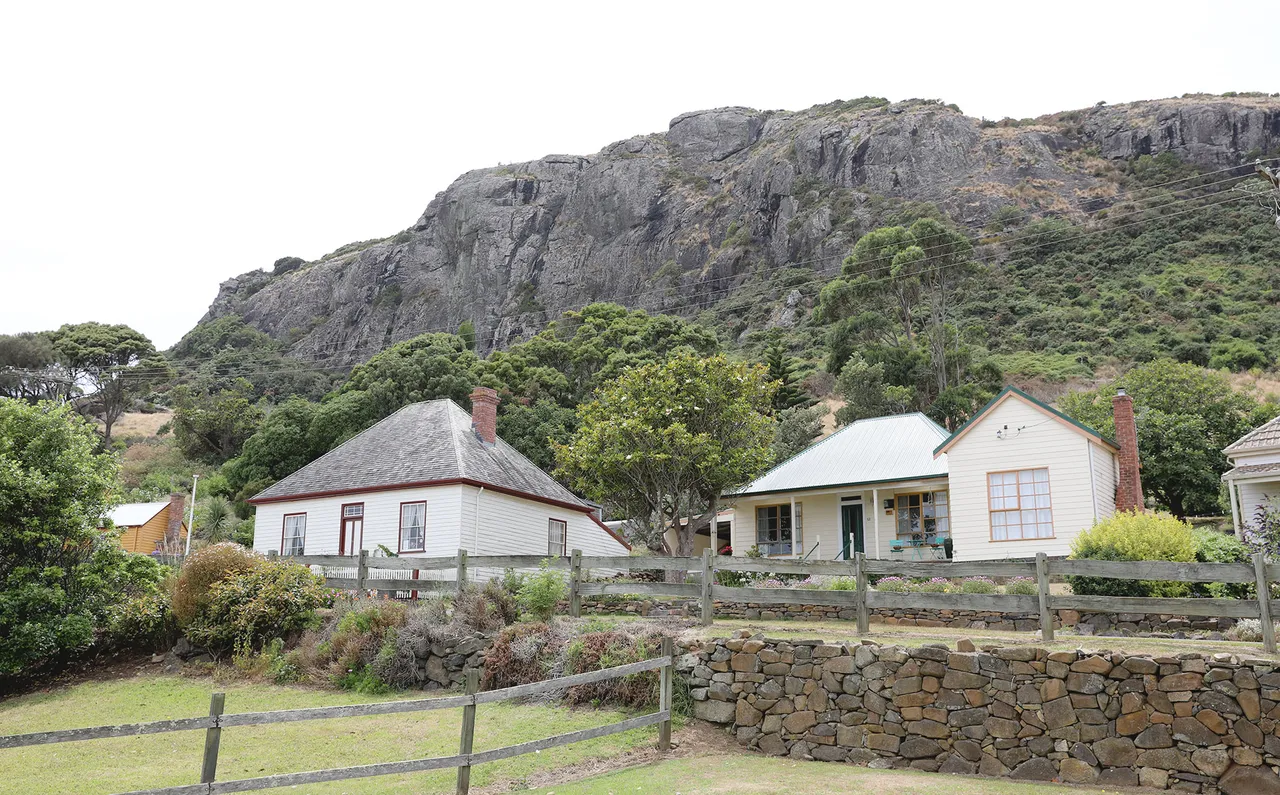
1254,477
427,481
1019,478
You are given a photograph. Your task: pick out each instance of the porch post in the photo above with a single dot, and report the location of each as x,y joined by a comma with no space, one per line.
875,517
797,540
1235,507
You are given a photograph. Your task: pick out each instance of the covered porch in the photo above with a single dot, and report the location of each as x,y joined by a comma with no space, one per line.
1251,486
907,519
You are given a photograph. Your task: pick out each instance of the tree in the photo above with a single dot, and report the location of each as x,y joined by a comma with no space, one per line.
213,427
666,439
281,446
863,387
1185,416
781,369
467,332
797,428
103,357
30,369
216,520
60,574
532,428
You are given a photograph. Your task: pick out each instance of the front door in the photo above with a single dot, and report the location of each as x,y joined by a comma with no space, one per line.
352,535
851,530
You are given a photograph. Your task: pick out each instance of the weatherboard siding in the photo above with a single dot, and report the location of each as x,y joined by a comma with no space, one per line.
1034,439
147,538
1104,479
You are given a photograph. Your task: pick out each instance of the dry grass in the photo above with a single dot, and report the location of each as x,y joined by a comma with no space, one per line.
137,425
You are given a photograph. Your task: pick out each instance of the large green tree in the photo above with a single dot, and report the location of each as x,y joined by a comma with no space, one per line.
31,369
1185,415
664,440
59,574
213,427
115,362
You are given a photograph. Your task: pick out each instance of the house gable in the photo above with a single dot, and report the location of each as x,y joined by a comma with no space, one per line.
1013,393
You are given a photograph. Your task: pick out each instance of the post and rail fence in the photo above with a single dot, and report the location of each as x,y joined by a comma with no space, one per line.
464,760
863,598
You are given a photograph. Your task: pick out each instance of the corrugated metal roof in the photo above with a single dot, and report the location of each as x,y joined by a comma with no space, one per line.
136,513
868,451
1260,438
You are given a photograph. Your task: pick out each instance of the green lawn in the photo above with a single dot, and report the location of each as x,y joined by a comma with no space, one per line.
761,774
100,767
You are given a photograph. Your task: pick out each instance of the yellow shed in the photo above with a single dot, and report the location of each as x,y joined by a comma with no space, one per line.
145,525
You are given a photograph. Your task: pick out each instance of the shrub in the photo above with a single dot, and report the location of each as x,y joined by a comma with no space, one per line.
521,654
1215,547
895,584
356,648
935,585
595,651
1247,630
144,621
541,591
1022,585
204,568
978,585
246,610
1134,536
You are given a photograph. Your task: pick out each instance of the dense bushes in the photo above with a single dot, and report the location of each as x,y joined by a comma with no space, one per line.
248,609
1134,536
204,568
1215,547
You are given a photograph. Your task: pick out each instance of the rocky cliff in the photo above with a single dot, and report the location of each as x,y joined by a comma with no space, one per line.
678,221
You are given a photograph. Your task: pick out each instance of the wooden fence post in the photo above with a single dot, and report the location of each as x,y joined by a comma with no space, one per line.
212,739
708,577
468,731
462,570
1264,603
664,696
1042,583
575,579
362,573
860,582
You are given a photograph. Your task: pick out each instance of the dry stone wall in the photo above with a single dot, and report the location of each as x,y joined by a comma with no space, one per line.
445,663
1188,722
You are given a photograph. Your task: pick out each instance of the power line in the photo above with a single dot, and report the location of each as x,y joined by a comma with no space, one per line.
986,259
322,353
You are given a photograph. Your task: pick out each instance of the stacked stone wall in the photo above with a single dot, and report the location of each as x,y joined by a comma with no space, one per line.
1183,722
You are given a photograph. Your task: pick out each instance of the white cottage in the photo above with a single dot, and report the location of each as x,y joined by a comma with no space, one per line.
1254,477
1019,478
427,481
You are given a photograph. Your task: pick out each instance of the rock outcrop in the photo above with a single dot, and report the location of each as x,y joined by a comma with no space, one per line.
677,221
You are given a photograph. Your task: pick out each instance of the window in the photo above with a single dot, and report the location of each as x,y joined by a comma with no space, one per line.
1019,503
773,529
353,511
413,526
927,514
294,537
557,538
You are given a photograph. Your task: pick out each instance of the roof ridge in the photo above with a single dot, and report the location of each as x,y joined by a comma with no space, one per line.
1274,420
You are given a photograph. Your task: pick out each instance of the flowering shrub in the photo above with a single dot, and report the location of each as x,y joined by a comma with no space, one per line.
1022,585
769,582
895,584
978,585
936,585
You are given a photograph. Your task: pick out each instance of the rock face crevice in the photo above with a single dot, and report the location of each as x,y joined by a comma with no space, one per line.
1186,722
677,221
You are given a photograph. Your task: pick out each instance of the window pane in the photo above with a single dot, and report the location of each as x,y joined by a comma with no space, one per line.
940,498
944,526
413,519
1041,475
998,533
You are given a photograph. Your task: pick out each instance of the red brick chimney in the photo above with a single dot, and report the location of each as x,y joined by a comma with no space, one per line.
484,414
173,534
1129,486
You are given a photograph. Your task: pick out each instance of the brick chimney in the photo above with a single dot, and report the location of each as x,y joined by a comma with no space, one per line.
484,414
173,533
1129,486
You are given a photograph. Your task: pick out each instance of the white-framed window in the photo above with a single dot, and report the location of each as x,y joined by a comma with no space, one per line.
413,526
1020,505
557,538
293,539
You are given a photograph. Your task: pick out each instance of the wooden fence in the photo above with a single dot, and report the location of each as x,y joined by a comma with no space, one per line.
862,598
463,760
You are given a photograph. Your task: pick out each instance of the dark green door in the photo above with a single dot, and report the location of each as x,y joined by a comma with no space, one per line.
851,530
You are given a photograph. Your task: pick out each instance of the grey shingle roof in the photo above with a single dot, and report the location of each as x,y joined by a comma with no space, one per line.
1249,470
874,450
1262,437
420,443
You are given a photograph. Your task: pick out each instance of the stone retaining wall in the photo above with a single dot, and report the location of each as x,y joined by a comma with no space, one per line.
1105,624
1187,722
445,664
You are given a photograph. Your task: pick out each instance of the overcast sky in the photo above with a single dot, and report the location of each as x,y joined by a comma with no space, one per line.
150,151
